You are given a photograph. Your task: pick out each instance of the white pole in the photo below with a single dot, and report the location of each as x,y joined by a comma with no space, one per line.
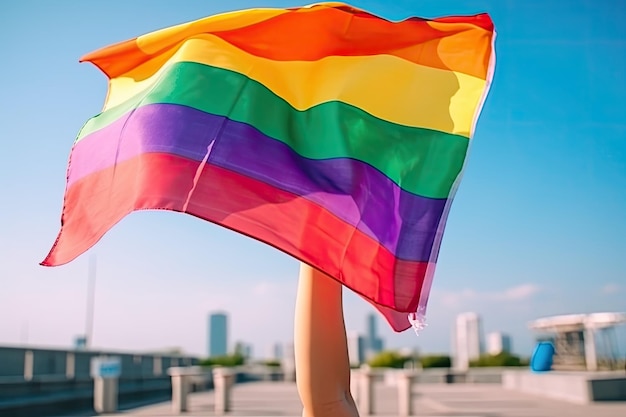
591,358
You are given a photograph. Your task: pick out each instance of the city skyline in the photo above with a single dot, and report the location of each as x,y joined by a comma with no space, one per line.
468,342
536,229
363,346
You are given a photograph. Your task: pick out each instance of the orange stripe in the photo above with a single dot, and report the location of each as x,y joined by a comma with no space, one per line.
118,58
122,57
481,20
438,44
314,33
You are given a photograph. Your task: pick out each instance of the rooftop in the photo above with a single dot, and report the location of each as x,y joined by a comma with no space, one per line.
574,322
451,400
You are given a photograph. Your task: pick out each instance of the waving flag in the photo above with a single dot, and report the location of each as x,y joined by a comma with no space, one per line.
327,132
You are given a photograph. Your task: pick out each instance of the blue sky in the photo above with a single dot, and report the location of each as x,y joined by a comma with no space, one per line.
538,226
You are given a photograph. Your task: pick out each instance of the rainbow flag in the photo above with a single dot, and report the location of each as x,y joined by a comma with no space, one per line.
332,134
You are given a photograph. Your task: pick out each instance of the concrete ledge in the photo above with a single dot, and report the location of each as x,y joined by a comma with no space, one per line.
575,387
37,398
487,375
609,389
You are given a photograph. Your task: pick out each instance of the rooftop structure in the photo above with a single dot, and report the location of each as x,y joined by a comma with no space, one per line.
575,337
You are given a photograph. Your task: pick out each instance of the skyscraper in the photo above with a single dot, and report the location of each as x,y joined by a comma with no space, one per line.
498,343
244,349
467,343
288,362
356,348
277,351
218,334
373,343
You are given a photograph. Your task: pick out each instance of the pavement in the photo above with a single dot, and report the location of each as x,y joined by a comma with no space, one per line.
429,400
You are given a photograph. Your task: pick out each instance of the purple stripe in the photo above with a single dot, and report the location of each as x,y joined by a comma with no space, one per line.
354,191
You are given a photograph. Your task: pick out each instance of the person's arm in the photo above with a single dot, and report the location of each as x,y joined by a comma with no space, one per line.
321,350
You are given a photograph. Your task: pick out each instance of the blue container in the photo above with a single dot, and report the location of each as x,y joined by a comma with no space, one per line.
541,360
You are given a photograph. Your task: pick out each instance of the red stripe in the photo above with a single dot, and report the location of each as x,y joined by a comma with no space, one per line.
294,225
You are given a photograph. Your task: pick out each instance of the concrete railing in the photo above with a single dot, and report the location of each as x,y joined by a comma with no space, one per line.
362,386
27,364
222,379
33,380
364,380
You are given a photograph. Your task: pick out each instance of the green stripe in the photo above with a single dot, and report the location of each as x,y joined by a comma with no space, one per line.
422,161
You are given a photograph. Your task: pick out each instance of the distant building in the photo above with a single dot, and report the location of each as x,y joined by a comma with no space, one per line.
373,343
467,340
498,343
277,351
80,343
244,349
288,362
575,338
356,348
218,334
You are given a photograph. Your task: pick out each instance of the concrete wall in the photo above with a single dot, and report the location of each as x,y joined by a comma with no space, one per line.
49,362
11,362
53,363
576,387
608,389
70,396
445,376
81,364
47,382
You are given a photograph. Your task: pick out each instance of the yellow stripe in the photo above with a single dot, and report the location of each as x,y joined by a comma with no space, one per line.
385,86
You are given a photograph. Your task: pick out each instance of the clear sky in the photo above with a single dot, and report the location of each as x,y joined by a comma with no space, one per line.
538,226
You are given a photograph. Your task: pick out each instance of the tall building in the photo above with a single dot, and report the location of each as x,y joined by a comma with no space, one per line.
373,343
244,349
288,362
467,340
277,351
218,334
498,343
356,348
